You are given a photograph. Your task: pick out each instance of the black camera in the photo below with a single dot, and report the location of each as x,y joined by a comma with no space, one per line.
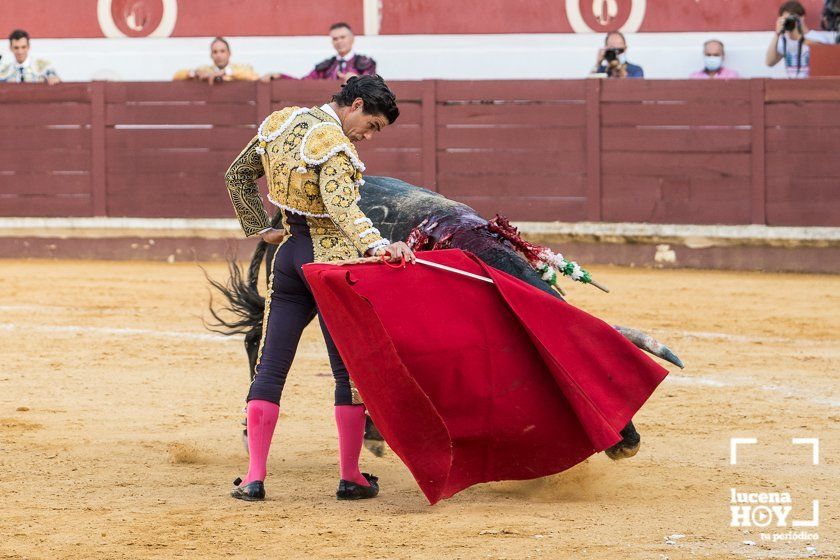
791,23
611,55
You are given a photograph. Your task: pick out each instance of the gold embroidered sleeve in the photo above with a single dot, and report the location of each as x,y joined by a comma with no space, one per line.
340,194
241,179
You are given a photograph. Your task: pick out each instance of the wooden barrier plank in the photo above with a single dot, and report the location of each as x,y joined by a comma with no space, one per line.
511,90
804,165
688,139
148,162
504,162
98,187
429,133
815,140
758,184
803,114
528,183
813,89
561,114
696,200
35,93
182,113
50,206
512,137
803,201
321,91
48,159
538,209
46,184
677,164
676,114
725,91
78,136
594,151
390,161
395,136
134,92
216,139
25,114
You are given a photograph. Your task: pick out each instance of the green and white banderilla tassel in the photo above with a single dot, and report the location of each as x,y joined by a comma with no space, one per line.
549,264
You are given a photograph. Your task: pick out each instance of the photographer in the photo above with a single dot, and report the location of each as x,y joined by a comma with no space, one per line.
612,59
792,40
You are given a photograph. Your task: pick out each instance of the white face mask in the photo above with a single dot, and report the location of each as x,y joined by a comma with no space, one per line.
622,58
713,63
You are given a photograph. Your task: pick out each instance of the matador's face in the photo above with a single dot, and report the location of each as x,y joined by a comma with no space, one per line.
358,125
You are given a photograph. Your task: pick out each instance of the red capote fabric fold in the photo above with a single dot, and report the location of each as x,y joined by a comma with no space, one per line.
472,382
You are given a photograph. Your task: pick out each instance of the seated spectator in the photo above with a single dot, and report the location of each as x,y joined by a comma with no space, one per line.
713,68
612,59
24,68
223,70
346,63
792,40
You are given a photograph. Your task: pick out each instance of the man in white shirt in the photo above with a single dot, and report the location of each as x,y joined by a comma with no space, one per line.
24,68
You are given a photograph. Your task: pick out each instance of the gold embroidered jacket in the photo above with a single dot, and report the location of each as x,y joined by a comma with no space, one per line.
313,170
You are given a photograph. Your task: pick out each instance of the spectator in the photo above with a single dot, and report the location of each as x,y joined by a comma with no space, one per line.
792,40
24,69
612,59
223,70
713,68
346,63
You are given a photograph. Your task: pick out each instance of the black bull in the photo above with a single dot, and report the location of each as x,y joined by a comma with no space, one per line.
397,208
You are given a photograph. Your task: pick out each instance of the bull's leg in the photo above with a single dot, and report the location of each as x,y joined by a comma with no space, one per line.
374,442
628,446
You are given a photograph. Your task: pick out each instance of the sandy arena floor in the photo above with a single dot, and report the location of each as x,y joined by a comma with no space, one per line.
119,431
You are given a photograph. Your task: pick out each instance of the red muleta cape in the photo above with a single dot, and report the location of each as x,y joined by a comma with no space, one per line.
472,382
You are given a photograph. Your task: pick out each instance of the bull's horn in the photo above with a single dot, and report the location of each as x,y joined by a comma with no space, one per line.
650,344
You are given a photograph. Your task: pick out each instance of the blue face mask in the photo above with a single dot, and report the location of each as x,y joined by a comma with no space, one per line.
713,63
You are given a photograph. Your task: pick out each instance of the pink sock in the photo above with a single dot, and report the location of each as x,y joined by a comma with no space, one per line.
350,420
262,418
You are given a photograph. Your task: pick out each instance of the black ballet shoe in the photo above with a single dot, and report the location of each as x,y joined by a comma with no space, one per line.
251,492
348,490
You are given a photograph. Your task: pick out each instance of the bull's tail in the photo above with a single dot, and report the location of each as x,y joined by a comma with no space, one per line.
243,300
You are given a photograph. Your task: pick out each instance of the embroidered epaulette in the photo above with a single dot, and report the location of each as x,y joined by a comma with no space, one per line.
41,65
274,125
323,141
362,62
324,65
6,70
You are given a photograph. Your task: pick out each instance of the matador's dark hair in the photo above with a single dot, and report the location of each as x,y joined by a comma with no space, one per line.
18,34
341,25
377,97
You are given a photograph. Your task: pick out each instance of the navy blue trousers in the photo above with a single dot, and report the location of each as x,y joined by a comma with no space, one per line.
290,307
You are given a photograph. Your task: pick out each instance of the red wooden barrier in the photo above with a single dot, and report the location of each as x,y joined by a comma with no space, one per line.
736,152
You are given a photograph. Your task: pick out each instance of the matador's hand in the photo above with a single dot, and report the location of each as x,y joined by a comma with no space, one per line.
274,236
397,251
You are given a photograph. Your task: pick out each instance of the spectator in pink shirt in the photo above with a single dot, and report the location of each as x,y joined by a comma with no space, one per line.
713,68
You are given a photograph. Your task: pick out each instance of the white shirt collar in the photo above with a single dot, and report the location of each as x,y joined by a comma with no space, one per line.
227,70
26,63
329,110
347,56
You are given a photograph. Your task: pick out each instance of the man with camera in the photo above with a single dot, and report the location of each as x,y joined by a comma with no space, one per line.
612,59
792,39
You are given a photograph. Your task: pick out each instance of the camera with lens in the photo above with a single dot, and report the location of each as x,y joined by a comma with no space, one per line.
611,55
792,22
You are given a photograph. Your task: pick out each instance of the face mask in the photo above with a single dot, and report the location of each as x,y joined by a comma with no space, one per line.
713,63
622,58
